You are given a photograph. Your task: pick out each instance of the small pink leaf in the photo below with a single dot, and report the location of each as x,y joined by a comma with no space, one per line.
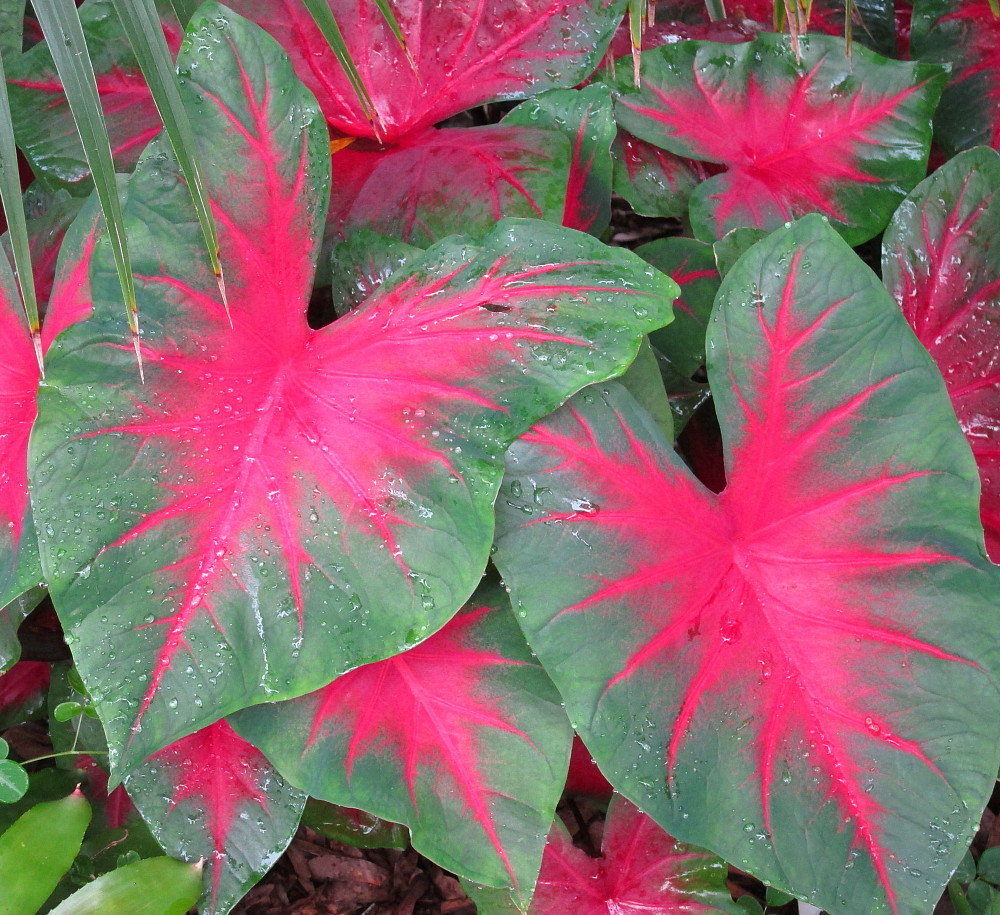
845,137
212,795
462,738
642,870
22,691
940,261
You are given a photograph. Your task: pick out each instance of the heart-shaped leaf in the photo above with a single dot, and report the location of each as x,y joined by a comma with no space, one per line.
824,132
810,655
463,53
212,795
277,504
940,261
462,738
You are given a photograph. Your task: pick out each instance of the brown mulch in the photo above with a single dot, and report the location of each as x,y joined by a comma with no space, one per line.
319,876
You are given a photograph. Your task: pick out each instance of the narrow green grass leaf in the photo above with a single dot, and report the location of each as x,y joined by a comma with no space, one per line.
183,10
393,23
10,197
323,17
716,9
636,18
141,23
60,24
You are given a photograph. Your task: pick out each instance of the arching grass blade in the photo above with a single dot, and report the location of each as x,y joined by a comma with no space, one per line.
141,23
323,17
10,196
60,24
390,20
183,10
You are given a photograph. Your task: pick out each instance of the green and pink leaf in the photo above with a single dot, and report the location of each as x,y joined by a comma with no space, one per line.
278,504
821,132
462,738
940,262
785,637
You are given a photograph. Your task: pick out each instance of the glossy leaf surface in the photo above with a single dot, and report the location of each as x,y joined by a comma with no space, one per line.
22,691
19,566
279,504
587,119
38,849
43,123
641,870
681,355
462,738
941,263
450,181
20,569
154,886
776,656
654,182
212,795
464,52
843,137
966,35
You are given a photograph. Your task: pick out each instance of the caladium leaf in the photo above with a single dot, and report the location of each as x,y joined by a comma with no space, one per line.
587,119
939,260
783,642
277,504
462,738
212,795
43,124
362,263
654,182
966,35
19,566
641,869
691,264
845,137
22,691
20,570
444,182
464,53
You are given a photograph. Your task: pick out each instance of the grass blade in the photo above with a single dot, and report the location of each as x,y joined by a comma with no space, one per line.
390,20
60,24
323,17
716,10
183,10
142,27
10,197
